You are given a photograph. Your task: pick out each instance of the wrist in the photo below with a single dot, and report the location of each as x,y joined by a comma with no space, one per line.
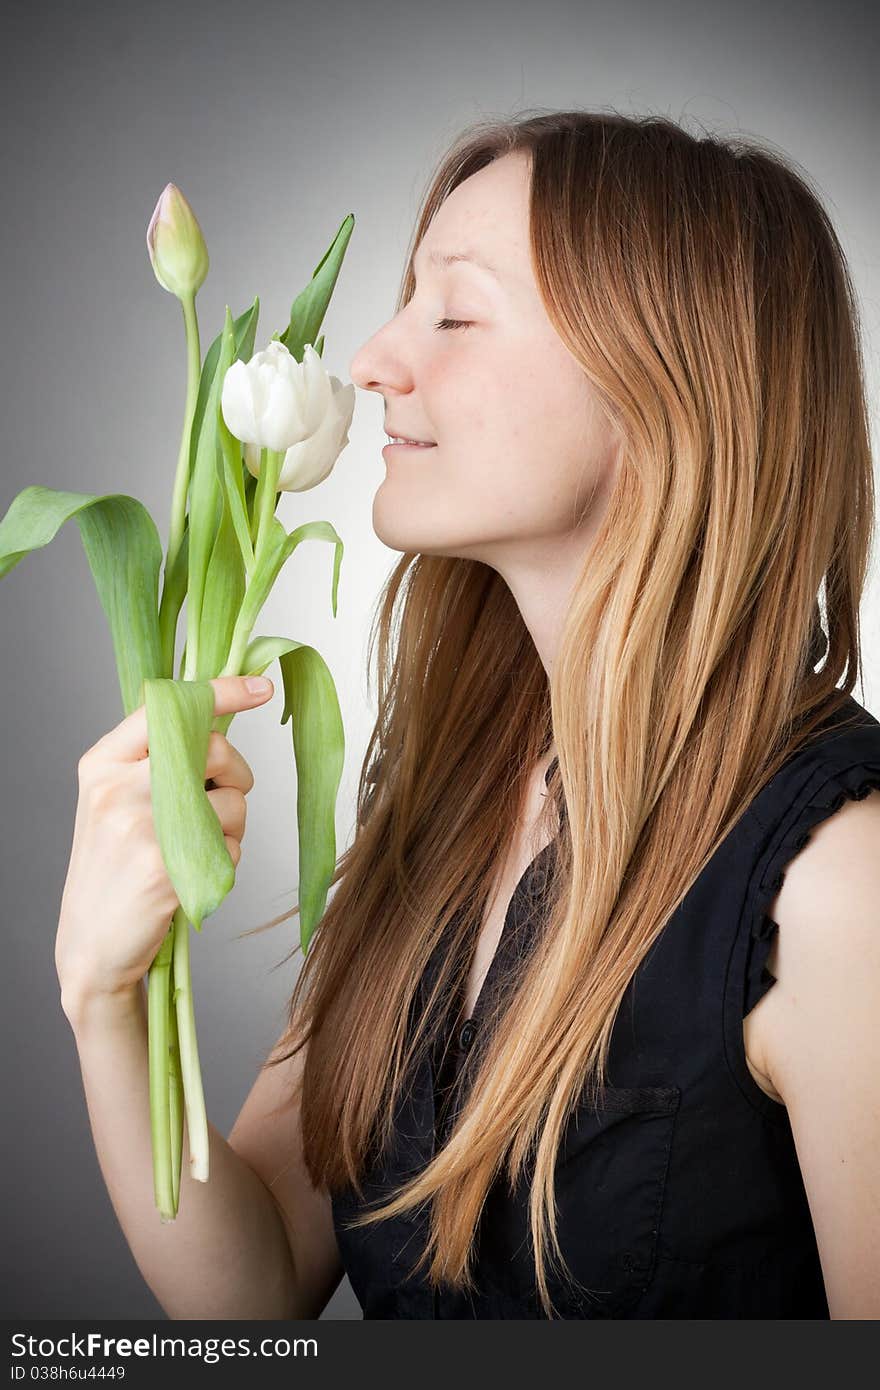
83,1005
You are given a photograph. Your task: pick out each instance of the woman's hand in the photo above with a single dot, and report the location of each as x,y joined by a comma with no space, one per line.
118,901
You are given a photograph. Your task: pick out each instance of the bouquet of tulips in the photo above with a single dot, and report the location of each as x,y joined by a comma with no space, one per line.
255,425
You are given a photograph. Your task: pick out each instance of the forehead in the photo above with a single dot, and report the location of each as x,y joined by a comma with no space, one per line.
441,259
484,222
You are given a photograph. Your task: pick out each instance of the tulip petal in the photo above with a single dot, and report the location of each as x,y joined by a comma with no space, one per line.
260,374
282,422
308,464
237,403
290,404
252,454
319,391
294,467
344,399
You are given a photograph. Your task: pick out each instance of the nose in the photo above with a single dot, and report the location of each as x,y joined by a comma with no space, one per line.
382,364
359,368
379,359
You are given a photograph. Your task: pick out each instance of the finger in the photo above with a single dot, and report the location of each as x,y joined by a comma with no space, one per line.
225,765
234,849
127,742
230,809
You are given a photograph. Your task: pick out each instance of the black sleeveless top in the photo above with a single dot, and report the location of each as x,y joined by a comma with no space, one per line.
682,1196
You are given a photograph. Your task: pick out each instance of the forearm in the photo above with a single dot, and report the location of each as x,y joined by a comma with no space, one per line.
226,1254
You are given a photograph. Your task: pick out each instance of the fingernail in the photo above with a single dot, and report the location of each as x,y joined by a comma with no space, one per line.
258,685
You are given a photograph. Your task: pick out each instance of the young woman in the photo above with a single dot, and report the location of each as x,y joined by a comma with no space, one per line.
535,1066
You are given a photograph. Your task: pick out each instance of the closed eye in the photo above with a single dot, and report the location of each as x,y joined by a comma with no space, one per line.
452,323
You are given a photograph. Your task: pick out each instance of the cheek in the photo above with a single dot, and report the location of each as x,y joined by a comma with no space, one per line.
555,416
539,466
529,393
514,486
521,437
475,374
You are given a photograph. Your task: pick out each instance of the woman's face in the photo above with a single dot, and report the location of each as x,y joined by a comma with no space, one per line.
521,443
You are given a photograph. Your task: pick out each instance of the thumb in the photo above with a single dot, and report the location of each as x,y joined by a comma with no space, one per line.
128,742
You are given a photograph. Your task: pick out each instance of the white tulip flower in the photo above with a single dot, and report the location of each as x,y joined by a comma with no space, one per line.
297,409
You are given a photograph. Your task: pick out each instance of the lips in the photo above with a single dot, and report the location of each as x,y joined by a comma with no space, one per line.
394,437
405,444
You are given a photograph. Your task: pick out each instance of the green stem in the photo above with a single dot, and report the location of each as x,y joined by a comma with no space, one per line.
181,479
175,1088
174,1054
194,1097
191,662
169,612
265,499
241,635
267,493
258,495
160,1125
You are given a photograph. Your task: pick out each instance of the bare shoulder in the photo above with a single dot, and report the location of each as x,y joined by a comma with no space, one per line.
826,912
834,878
817,1040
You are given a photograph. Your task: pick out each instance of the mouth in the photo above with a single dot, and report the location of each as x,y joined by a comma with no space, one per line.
406,444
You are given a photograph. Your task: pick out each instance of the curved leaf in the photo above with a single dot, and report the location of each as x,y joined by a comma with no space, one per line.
319,531
279,547
311,703
308,309
319,752
124,553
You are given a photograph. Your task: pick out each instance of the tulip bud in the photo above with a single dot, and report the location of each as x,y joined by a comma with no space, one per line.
275,402
178,253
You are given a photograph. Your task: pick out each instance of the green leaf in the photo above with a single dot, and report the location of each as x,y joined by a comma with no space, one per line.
319,531
206,506
224,591
244,328
308,309
125,555
319,751
232,476
279,547
171,602
179,720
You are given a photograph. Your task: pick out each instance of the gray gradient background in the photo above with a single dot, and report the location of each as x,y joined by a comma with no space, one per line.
276,120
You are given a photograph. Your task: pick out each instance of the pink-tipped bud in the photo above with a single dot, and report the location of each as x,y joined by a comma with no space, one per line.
178,253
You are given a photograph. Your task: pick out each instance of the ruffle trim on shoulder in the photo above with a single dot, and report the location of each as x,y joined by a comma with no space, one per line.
852,784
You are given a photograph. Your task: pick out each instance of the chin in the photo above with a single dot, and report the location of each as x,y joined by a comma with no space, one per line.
394,527
401,524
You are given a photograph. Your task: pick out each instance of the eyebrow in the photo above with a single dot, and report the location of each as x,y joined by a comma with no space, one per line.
448,258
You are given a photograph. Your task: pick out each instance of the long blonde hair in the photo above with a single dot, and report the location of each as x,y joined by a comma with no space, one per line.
701,286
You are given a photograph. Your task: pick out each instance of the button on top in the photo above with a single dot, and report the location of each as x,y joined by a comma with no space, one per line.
467,1034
